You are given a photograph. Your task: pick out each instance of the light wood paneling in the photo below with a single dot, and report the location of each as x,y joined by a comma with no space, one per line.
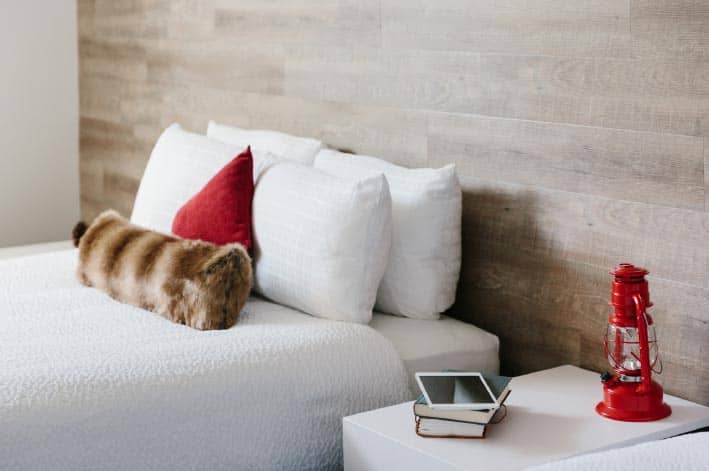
672,28
117,59
593,231
639,166
580,131
706,173
130,19
276,22
595,28
173,62
647,95
627,29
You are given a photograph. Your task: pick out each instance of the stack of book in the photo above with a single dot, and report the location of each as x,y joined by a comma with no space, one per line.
461,423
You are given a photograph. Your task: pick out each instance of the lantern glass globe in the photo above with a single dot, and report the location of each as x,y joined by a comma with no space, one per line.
623,349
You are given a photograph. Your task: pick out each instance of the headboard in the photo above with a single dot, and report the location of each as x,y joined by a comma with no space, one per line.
580,131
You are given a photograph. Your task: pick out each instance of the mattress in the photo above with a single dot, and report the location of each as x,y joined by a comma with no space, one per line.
33,249
444,344
88,383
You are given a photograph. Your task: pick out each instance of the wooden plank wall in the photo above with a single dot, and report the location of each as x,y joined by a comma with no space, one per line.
580,130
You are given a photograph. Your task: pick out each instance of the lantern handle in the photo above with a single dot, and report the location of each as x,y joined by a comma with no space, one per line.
645,367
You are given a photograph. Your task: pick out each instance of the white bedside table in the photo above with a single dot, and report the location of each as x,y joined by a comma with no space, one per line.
550,416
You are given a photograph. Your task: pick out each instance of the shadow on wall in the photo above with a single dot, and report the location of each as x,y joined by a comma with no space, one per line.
516,283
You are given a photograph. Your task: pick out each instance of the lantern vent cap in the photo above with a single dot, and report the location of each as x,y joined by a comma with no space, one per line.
628,272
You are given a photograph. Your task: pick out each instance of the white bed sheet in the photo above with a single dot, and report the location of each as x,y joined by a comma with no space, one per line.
686,453
444,344
90,383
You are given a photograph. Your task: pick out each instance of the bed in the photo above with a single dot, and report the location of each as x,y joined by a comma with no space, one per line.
89,383
686,452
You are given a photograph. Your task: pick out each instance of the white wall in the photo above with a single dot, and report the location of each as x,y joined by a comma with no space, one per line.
39,121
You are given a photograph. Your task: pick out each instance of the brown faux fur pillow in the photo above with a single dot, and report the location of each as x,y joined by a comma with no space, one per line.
190,282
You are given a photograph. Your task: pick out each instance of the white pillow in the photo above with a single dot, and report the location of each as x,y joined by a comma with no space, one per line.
180,164
424,263
277,144
321,244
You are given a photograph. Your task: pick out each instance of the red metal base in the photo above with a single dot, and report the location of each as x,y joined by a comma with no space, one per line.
627,402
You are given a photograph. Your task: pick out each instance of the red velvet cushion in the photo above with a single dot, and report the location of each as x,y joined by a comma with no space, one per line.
221,211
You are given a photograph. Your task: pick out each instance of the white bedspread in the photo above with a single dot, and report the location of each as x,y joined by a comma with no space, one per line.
685,453
89,383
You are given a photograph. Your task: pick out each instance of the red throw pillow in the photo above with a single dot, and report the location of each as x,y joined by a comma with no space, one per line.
221,212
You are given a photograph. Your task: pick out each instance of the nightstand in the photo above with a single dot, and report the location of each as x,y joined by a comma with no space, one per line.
550,416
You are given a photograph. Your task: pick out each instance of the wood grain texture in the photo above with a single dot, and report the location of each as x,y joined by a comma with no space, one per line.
301,21
706,174
593,231
672,28
647,95
595,28
639,166
580,131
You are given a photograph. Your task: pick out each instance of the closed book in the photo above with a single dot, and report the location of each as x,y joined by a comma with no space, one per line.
440,428
500,387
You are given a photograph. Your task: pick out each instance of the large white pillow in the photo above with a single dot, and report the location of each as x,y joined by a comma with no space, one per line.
321,244
273,143
424,263
180,164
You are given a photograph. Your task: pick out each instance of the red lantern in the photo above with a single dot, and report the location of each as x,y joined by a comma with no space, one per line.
631,347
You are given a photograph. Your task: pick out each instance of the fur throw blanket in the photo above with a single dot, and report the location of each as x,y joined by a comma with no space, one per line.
190,282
